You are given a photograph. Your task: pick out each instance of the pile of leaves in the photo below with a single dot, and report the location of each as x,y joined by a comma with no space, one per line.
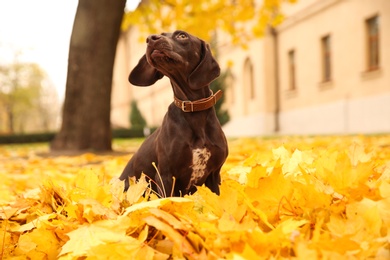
286,197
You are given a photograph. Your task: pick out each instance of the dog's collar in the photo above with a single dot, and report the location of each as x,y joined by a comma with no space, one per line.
198,105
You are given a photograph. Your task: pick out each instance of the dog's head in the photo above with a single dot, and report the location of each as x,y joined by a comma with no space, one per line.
180,56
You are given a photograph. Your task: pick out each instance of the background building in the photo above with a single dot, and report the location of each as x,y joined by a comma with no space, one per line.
325,69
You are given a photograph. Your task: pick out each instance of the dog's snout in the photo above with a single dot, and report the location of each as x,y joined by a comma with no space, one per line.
152,38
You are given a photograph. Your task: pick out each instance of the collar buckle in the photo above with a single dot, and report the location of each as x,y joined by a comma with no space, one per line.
184,106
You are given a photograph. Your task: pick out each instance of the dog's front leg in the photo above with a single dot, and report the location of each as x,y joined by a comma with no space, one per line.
164,184
213,181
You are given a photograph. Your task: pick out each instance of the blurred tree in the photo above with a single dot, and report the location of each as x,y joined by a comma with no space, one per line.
24,92
86,112
136,118
203,17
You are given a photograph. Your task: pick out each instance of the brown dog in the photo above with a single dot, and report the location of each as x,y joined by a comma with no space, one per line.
189,148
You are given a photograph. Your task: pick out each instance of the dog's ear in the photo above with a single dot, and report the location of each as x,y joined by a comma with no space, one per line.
144,74
206,71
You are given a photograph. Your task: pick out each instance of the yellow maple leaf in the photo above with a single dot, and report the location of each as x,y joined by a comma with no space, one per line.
136,189
36,223
367,212
92,210
88,185
40,243
270,193
240,173
340,245
180,241
158,203
92,235
256,173
357,154
344,173
125,249
169,218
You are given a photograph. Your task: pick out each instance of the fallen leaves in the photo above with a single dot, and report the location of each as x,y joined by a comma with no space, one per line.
287,197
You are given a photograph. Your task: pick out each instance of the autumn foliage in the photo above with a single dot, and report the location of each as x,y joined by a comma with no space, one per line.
287,197
241,20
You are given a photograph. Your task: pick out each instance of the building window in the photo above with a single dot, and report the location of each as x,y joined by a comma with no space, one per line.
249,79
326,58
372,29
229,81
291,70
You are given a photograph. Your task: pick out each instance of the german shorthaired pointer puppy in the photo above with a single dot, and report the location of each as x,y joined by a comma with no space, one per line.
189,148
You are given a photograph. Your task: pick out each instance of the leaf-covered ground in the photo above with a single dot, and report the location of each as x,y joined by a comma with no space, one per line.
287,197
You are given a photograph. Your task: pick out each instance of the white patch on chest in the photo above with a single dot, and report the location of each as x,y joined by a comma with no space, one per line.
200,157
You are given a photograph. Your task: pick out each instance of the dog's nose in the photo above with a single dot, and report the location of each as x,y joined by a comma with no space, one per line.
153,37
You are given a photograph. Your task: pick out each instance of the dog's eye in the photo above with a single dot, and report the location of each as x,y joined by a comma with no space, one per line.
182,36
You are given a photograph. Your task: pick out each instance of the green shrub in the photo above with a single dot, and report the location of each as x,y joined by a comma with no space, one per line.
27,138
137,121
48,137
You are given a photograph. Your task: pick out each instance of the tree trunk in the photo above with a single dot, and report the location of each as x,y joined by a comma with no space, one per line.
86,112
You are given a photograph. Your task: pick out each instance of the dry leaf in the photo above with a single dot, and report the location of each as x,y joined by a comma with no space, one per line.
287,197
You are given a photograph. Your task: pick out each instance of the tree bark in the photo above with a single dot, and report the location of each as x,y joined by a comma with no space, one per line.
86,112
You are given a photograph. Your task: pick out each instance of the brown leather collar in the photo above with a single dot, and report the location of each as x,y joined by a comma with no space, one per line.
200,104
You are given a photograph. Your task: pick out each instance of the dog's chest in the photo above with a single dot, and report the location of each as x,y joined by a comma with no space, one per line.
200,157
